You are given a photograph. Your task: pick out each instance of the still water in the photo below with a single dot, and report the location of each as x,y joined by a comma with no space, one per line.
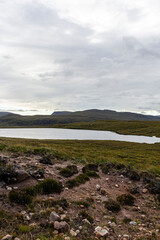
66,134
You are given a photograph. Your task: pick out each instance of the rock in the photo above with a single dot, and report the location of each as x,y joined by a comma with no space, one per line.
133,223
7,237
116,185
98,187
3,159
61,226
17,238
2,184
63,216
73,233
67,238
144,190
46,160
36,172
21,175
54,217
9,188
101,231
86,221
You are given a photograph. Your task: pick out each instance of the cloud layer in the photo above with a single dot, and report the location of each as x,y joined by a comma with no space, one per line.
72,55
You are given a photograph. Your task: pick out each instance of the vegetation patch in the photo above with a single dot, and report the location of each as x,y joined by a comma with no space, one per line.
85,215
80,179
24,228
92,174
82,203
69,171
20,197
90,167
49,186
112,205
126,199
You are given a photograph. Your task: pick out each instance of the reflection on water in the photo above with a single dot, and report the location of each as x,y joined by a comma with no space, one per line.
66,134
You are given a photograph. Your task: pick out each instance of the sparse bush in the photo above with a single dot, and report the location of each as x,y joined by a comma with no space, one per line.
20,197
49,186
80,179
90,167
69,171
92,174
112,205
24,228
126,199
126,220
83,203
85,215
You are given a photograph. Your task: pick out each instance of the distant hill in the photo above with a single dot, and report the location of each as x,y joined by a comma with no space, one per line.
4,113
14,120
60,113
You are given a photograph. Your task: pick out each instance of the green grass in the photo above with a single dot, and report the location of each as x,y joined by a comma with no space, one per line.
146,128
142,157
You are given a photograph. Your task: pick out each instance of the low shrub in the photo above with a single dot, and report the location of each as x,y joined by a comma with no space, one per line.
126,199
83,203
92,174
90,167
20,197
80,179
69,171
112,205
85,215
24,228
49,186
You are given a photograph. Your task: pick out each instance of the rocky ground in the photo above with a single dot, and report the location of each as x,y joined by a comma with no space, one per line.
108,201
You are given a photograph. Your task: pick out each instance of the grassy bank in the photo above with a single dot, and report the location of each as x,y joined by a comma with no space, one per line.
146,128
139,156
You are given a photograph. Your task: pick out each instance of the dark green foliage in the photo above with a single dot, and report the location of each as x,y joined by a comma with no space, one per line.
92,174
90,167
80,179
79,203
126,220
85,215
90,200
106,167
69,171
46,160
49,186
154,187
20,197
112,205
103,192
134,189
126,199
62,203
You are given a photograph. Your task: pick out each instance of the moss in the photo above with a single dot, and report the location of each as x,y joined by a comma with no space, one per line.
90,167
24,228
126,199
20,197
69,171
85,215
112,205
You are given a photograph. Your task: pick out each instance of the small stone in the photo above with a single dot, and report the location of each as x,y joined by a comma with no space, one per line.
101,231
116,185
17,238
133,223
7,237
67,238
73,233
107,179
86,221
98,187
54,217
15,188
144,190
63,216
80,227
9,188
77,231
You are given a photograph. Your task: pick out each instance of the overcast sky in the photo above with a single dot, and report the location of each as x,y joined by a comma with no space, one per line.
79,54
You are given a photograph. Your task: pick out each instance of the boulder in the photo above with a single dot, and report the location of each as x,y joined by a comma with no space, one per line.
61,226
